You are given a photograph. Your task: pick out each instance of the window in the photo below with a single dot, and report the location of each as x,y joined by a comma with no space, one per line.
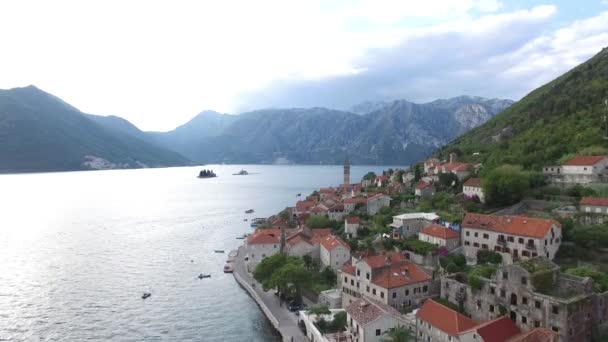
357,284
503,293
476,234
378,332
524,319
492,290
475,244
486,236
394,294
425,288
554,328
491,308
555,309
510,239
345,279
407,292
520,240
467,243
367,289
537,304
468,233
524,300
524,280
381,294
352,282
374,292
536,324
367,275
505,275
484,246
358,272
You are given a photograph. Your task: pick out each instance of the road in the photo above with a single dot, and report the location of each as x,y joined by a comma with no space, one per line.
287,321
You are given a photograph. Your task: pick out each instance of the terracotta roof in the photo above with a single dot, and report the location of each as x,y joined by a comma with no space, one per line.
441,232
422,185
473,182
584,160
378,261
374,196
349,268
456,166
443,318
536,335
514,225
330,242
297,239
264,236
355,200
321,231
353,219
319,209
327,190
381,178
497,330
365,310
597,201
304,205
402,274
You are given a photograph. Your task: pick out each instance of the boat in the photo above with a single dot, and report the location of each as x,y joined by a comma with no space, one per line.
257,222
240,237
206,174
219,251
228,269
245,220
146,295
241,173
249,211
201,276
234,253
298,195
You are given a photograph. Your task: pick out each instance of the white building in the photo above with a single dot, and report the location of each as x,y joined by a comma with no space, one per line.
435,322
596,205
440,236
461,170
369,321
579,170
308,320
472,188
405,225
424,189
262,243
351,226
334,252
377,202
514,237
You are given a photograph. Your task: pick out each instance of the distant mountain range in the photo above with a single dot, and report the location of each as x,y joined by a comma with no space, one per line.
40,132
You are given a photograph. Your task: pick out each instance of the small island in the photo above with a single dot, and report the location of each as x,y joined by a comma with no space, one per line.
206,174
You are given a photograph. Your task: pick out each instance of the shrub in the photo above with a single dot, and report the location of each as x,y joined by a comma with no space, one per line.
488,257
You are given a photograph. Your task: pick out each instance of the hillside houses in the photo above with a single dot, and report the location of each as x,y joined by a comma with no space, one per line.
514,237
579,170
472,189
369,320
440,236
406,225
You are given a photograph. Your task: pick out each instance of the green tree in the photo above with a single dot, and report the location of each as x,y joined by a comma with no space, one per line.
319,310
398,334
449,181
398,176
417,172
505,185
369,176
315,222
268,266
293,274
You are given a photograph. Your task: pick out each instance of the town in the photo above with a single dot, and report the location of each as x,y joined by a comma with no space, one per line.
438,252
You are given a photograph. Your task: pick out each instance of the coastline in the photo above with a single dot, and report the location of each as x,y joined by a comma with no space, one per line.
281,319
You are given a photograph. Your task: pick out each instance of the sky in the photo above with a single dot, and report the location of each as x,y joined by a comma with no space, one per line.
159,63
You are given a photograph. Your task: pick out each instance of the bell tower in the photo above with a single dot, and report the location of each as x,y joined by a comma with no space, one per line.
346,172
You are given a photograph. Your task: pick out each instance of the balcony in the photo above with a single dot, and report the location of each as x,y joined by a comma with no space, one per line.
501,242
530,246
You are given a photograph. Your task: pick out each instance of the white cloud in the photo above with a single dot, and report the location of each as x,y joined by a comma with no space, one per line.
158,62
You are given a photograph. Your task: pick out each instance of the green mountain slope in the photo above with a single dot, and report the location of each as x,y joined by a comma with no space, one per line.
558,119
39,132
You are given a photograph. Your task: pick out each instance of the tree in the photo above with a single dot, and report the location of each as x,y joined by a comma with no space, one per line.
505,185
315,222
488,257
268,266
293,274
448,180
398,334
319,310
398,176
417,172
369,176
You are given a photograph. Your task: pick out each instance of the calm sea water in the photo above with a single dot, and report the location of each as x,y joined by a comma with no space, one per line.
78,249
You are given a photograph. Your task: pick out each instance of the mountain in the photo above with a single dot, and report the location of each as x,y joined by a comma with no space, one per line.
399,132
553,122
368,107
40,132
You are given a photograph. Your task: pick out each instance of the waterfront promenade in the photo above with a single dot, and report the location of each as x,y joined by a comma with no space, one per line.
282,319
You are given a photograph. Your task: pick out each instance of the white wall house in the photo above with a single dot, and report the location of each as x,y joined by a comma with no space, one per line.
594,205
440,236
424,189
409,224
369,321
334,252
377,202
262,243
435,322
472,188
461,170
579,170
515,237
351,226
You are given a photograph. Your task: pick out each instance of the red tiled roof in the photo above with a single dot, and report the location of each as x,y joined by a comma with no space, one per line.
597,201
353,219
365,310
294,240
374,196
443,318
381,178
473,182
355,200
400,275
422,185
536,335
456,166
378,261
327,190
584,160
319,209
514,225
349,268
497,330
330,242
264,236
305,205
441,232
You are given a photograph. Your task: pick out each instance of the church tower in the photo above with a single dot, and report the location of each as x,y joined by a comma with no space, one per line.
346,172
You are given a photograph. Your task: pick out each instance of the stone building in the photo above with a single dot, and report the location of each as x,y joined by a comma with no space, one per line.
440,236
533,293
514,237
351,226
389,279
368,320
579,170
406,225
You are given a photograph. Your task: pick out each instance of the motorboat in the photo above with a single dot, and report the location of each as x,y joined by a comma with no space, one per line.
219,251
146,295
202,276
241,173
249,211
228,269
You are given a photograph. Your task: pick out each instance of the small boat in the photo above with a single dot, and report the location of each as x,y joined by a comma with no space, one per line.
201,276
298,195
257,221
228,269
245,220
146,295
219,251
241,173
249,211
240,237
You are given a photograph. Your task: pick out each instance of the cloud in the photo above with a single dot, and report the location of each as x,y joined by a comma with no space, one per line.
496,55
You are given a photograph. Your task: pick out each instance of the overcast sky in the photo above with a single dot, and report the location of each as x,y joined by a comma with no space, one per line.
159,63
